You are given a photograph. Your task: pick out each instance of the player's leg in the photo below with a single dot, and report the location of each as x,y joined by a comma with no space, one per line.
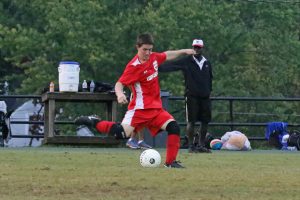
159,119
133,120
141,143
119,131
173,143
89,121
132,141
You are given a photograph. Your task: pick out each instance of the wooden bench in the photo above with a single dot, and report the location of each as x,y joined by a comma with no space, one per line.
50,99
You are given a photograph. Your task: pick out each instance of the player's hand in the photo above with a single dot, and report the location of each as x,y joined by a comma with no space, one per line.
122,99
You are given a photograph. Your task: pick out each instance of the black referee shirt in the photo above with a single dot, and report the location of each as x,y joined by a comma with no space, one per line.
198,82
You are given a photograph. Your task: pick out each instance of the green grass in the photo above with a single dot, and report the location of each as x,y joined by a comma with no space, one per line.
111,173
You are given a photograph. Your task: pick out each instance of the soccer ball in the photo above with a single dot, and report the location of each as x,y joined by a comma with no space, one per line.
216,144
150,158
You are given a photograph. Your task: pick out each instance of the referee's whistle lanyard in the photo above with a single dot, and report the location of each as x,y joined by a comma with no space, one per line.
200,63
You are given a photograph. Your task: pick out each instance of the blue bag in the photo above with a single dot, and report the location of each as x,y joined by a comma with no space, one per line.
274,133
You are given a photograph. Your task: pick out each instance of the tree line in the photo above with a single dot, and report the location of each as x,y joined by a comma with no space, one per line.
254,46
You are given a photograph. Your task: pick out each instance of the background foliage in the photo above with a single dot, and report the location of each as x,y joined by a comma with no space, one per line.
254,46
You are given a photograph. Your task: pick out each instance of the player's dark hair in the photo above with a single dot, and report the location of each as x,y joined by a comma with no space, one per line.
145,38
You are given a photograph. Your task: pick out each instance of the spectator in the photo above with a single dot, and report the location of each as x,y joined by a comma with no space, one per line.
197,72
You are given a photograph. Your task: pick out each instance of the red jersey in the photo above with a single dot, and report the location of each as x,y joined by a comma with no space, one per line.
142,79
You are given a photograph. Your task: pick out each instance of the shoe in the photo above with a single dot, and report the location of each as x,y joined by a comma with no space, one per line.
193,149
202,149
174,164
143,145
89,121
132,143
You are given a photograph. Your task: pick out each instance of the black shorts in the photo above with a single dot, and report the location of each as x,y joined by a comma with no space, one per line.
198,109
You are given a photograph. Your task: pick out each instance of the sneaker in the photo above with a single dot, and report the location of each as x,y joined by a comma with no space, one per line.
174,164
143,145
202,149
132,143
89,121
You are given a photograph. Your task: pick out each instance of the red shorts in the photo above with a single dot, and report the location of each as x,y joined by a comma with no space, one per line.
153,119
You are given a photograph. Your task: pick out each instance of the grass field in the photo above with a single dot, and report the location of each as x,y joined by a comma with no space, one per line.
115,173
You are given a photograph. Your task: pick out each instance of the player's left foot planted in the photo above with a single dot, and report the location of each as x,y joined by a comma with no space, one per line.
89,121
143,145
132,143
174,164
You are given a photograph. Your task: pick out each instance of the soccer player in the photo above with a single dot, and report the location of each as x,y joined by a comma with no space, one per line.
145,108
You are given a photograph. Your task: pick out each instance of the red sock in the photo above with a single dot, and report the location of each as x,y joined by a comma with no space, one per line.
173,145
104,126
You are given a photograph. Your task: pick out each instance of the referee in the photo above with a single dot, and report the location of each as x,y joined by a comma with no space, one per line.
198,76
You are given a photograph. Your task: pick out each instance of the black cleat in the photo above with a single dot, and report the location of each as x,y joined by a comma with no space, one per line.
174,164
193,149
89,121
202,149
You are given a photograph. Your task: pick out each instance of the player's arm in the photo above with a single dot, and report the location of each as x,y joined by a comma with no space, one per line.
171,55
172,66
119,89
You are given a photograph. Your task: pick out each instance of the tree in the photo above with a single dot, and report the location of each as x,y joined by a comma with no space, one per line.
254,46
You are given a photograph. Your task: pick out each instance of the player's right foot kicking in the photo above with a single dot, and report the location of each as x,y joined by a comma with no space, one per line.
112,128
89,121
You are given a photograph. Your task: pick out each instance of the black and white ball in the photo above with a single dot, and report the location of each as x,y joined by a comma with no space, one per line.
150,158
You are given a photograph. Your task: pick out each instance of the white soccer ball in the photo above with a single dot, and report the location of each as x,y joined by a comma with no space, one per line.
150,158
